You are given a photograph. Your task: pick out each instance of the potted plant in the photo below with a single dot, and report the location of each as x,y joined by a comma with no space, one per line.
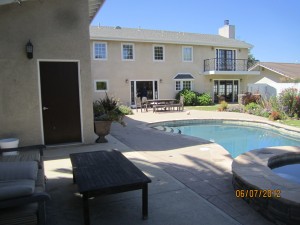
106,111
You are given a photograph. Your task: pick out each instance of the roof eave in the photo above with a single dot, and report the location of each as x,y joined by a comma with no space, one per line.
275,71
169,42
94,7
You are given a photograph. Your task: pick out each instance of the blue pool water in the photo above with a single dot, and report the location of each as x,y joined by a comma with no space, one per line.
236,139
290,172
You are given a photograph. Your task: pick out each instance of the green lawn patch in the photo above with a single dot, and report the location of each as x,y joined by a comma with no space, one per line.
294,123
204,108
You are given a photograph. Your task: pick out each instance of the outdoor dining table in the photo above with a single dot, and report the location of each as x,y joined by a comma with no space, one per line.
160,103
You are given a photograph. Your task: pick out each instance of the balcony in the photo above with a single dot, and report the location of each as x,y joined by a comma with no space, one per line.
219,66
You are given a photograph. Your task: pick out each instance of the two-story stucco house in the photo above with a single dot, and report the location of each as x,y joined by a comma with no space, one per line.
45,94
124,60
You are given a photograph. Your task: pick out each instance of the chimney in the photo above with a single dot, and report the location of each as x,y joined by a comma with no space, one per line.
227,30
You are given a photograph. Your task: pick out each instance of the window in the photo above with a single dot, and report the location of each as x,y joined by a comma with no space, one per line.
101,85
127,52
183,84
187,54
178,86
100,50
158,53
186,84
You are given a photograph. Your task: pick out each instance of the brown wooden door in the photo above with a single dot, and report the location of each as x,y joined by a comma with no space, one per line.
60,102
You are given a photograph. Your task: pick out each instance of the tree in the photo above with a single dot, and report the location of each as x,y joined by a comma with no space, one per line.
251,60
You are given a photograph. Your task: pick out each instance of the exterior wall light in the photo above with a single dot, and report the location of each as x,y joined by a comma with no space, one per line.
29,50
160,80
126,81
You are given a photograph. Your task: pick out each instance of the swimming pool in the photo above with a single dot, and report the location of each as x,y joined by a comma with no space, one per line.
235,136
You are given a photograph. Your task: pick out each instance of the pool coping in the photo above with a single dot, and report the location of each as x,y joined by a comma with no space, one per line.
251,171
261,124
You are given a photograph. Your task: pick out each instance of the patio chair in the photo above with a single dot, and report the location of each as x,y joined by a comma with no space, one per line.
139,104
179,105
144,103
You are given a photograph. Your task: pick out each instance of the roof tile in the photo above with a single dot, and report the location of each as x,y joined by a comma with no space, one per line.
160,36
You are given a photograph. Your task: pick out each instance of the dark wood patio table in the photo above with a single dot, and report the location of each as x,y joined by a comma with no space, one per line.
160,103
107,172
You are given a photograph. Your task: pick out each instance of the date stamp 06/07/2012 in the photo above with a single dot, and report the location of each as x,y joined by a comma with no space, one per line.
257,193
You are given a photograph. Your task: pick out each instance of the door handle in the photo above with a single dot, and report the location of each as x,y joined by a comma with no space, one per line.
45,108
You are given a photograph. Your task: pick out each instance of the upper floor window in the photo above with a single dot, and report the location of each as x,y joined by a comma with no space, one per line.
127,52
100,50
187,54
158,53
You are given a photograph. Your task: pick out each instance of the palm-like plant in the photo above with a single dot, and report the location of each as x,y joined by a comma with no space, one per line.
107,109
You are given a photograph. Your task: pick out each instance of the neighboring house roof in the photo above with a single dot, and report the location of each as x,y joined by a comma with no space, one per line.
290,70
94,5
183,76
160,36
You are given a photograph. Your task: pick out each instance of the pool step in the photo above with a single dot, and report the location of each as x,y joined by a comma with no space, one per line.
174,130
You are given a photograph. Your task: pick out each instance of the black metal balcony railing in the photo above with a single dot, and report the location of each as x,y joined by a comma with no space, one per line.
218,64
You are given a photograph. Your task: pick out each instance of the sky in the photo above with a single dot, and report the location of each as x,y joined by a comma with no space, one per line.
271,26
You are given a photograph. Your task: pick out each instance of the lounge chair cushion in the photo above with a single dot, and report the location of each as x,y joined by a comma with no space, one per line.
22,156
18,170
16,188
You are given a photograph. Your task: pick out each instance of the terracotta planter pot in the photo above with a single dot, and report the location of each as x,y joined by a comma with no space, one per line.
102,128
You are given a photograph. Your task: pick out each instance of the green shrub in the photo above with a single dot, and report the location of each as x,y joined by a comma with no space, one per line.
252,106
275,104
204,99
193,98
189,97
125,110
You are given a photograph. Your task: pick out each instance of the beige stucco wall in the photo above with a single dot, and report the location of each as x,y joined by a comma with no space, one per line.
116,71
59,31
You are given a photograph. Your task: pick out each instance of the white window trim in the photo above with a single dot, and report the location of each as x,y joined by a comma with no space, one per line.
181,84
95,85
164,53
183,47
94,55
133,50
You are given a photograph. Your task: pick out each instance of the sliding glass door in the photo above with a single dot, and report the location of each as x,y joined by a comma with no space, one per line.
226,90
137,86
225,60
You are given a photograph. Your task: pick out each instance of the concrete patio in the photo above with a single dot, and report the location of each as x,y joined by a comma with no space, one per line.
191,178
